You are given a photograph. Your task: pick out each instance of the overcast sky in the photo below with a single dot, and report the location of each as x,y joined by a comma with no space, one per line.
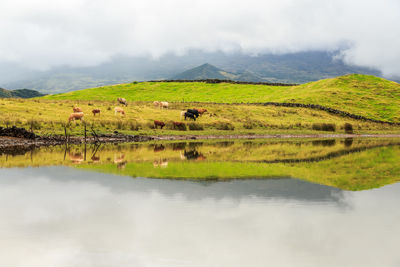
46,33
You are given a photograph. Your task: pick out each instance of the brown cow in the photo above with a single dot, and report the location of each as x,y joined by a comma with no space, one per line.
76,116
159,123
201,110
119,110
96,111
77,109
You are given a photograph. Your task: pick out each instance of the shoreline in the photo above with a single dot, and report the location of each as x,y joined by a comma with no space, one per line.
14,142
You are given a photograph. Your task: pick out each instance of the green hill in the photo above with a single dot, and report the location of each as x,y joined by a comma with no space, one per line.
19,93
365,95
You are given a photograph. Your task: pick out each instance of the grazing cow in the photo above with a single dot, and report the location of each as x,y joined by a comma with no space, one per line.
182,114
156,104
201,110
77,109
96,111
164,104
194,112
76,116
190,115
122,101
159,123
119,110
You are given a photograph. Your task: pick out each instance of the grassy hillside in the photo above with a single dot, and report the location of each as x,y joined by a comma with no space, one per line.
365,95
47,117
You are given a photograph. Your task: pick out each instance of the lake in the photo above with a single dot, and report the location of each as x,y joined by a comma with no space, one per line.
322,202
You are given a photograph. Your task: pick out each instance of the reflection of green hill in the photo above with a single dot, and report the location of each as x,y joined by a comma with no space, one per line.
360,169
347,164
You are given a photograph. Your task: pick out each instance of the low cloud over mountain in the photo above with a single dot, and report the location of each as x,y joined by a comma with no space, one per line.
44,34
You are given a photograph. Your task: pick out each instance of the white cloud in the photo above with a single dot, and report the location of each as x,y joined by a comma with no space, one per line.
47,33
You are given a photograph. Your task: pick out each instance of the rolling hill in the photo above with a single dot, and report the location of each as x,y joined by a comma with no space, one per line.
365,95
19,93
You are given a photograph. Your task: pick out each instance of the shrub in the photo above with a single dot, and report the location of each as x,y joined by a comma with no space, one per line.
34,124
329,127
180,127
348,128
120,125
224,126
195,126
134,126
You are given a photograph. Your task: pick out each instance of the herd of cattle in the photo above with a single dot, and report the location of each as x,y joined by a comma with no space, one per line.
189,113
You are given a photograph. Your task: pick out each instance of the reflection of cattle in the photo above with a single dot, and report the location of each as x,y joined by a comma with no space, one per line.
77,109
190,115
122,101
76,116
95,159
162,163
96,111
194,112
193,155
120,161
76,158
158,123
178,146
158,148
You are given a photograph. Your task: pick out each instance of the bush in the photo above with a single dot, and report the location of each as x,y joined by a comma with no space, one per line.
329,127
180,127
224,126
348,128
195,126
134,126
34,124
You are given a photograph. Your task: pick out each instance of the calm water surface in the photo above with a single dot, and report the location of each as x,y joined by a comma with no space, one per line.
75,215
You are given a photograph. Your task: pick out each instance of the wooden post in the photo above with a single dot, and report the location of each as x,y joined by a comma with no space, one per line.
84,124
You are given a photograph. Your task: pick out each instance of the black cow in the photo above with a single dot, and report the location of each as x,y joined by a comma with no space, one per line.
190,115
194,112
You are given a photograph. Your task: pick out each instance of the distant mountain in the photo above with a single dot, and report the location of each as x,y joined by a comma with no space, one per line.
208,71
288,68
205,71
19,93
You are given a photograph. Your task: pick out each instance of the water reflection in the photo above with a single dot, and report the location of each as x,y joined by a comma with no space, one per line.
61,216
352,164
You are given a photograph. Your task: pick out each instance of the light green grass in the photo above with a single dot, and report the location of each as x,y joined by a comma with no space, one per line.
365,95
